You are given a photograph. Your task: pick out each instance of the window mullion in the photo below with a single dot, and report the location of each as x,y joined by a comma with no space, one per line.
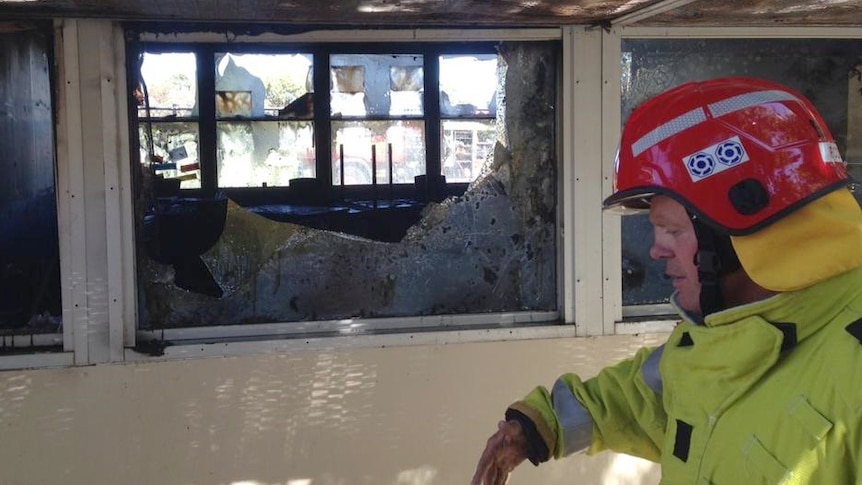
322,121
206,119
433,167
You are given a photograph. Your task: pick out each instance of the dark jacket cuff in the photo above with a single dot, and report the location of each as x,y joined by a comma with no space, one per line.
537,450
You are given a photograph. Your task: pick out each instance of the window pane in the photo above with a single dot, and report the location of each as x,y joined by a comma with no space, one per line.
376,85
476,97
168,90
264,153
30,295
818,68
466,146
256,90
358,145
258,85
405,90
175,150
169,84
348,91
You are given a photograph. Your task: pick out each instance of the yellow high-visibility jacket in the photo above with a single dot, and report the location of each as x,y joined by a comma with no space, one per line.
764,393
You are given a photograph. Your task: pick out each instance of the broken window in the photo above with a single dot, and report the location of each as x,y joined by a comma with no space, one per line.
826,71
357,218
30,300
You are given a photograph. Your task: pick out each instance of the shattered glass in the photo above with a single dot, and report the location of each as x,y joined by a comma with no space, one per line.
491,250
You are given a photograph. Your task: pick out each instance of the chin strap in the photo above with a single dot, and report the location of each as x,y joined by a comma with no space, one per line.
715,258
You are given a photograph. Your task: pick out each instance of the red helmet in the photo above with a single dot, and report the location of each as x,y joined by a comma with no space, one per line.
738,152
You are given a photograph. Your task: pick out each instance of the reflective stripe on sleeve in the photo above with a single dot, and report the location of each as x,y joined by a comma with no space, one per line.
573,417
650,372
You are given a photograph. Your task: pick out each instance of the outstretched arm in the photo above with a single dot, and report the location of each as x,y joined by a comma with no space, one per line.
619,409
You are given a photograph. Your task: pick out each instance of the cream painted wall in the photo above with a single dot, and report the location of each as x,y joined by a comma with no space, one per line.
413,415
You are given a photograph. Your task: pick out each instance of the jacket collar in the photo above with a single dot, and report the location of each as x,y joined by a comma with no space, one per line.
808,309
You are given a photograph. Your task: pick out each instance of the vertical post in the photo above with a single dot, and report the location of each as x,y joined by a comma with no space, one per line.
611,228
72,215
391,182
207,138
433,165
584,115
374,173
341,167
324,164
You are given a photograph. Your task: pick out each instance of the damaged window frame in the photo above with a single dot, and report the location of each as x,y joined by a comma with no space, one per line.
153,342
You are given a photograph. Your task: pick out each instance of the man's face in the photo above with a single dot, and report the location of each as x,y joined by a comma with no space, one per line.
676,243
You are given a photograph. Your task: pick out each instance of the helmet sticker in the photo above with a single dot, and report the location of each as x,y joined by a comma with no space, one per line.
700,165
714,159
729,152
829,152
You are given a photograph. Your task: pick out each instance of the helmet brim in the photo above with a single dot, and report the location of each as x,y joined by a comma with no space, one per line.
632,201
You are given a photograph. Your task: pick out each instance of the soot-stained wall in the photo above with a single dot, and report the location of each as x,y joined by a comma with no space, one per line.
490,250
29,245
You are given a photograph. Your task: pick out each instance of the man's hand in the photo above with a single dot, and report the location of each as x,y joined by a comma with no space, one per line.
505,450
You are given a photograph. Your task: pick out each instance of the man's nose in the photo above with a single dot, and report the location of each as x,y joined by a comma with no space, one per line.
658,251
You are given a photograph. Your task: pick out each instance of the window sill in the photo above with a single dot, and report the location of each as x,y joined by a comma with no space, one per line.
329,341
36,360
381,339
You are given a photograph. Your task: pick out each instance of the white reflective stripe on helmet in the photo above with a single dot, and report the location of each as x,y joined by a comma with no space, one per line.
697,116
576,422
669,129
747,100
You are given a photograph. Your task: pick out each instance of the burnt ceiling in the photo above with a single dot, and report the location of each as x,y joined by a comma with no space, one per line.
764,12
453,13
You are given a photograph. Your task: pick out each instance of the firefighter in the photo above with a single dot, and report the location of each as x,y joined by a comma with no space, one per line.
761,381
